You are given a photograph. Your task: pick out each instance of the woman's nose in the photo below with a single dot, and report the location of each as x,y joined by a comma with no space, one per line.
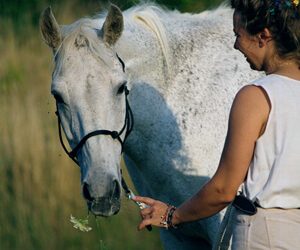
235,45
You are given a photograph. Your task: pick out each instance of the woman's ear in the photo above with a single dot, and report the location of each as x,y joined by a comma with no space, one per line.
264,37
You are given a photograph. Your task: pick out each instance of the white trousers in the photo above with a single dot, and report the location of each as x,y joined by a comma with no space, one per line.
275,229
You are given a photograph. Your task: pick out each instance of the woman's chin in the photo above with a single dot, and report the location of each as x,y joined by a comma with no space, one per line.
252,65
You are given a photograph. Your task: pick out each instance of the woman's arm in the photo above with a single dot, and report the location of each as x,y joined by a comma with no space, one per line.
247,120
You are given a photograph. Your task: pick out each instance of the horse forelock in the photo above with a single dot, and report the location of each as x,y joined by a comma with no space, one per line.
84,32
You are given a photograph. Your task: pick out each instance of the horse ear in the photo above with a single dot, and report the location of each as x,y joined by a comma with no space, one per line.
50,29
113,25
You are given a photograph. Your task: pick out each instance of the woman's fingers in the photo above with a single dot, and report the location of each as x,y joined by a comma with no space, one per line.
153,214
144,223
147,211
148,201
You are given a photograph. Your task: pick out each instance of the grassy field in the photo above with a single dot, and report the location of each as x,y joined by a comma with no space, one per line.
39,185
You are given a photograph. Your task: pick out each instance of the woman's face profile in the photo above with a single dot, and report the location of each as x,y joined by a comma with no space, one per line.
247,44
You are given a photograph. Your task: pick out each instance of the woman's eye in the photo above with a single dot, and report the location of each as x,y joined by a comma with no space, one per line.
122,88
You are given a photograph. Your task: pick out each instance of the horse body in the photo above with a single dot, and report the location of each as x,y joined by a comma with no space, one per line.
181,107
182,73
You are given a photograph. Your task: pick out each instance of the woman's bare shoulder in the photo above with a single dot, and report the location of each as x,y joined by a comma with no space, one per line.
252,99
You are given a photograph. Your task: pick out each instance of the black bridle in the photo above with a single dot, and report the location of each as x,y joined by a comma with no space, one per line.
127,128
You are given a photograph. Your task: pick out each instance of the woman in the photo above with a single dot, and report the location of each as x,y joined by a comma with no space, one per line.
261,150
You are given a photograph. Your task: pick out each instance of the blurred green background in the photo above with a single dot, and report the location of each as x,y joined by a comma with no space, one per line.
39,185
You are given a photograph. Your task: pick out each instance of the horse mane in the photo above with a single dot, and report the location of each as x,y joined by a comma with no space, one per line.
151,15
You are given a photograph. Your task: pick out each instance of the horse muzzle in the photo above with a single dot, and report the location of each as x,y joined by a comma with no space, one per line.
105,205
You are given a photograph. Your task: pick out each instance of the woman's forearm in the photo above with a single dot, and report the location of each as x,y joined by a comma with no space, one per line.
207,202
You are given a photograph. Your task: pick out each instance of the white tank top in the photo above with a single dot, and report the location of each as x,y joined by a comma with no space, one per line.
273,178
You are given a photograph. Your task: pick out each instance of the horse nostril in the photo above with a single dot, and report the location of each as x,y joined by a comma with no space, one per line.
86,192
116,190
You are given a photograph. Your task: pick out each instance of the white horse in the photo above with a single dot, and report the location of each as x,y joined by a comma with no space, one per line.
182,73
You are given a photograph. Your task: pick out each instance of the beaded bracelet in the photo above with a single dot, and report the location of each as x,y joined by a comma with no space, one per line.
166,219
170,217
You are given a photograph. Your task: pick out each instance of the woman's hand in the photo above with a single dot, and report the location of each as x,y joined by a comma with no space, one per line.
153,214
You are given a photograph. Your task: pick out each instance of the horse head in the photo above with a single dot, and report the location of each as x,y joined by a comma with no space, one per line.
89,86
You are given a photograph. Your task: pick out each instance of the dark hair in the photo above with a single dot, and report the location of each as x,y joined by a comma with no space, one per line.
281,17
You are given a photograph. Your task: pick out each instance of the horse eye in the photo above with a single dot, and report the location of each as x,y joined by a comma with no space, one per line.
122,88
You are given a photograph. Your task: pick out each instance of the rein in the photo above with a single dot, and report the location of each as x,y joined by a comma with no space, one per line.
127,128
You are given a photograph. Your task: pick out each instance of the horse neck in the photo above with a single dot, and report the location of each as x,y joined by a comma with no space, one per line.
195,38
149,58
